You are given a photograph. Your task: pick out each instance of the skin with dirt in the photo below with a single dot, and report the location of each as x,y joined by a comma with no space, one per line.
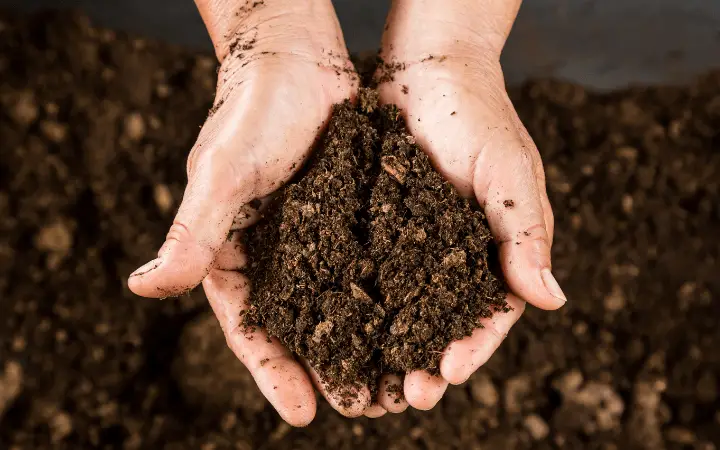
370,262
95,130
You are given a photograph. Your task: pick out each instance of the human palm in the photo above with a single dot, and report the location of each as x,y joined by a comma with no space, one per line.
453,97
273,96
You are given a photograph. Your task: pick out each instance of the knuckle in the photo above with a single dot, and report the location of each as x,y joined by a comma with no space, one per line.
204,157
201,155
495,331
179,232
536,232
236,172
221,177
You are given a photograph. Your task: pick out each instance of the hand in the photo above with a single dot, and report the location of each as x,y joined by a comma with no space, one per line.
452,94
280,74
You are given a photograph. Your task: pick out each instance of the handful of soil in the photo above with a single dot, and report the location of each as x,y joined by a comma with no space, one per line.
370,262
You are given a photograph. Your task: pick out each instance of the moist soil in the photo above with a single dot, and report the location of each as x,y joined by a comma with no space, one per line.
95,129
370,262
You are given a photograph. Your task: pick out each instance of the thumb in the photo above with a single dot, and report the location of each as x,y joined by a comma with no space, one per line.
217,189
506,183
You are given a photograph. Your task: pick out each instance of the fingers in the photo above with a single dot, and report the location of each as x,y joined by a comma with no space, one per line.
280,378
506,185
212,199
390,395
250,213
462,358
375,411
230,256
476,141
422,390
350,402
544,200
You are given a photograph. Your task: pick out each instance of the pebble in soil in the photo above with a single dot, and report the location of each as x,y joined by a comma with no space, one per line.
371,262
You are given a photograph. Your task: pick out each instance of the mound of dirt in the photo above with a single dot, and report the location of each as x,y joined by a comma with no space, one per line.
371,260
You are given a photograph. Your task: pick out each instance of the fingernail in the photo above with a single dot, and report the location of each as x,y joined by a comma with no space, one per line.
152,265
552,285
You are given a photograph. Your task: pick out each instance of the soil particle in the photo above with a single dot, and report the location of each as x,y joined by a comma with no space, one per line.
11,384
536,426
416,433
280,432
386,71
647,415
615,300
56,237
60,426
134,126
483,390
358,430
395,390
163,197
516,391
53,131
370,232
590,407
25,109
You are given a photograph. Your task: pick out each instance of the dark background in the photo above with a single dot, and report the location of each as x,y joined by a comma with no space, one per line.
602,44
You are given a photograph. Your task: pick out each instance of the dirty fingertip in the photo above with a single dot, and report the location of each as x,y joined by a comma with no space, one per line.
423,391
390,394
375,411
147,267
353,402
453,372
138,281
298,415
286,386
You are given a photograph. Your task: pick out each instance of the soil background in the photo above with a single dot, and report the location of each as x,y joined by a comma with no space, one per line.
95,127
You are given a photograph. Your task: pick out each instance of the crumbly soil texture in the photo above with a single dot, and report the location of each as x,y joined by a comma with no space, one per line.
370,262
95,129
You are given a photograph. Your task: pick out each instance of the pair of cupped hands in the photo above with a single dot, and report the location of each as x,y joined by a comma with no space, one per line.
281,72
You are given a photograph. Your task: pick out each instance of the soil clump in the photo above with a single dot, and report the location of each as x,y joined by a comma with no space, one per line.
370,262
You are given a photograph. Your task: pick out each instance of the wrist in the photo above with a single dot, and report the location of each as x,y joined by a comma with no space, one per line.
419,28
271,25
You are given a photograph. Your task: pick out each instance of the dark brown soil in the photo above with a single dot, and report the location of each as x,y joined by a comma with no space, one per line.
95,129
371,262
